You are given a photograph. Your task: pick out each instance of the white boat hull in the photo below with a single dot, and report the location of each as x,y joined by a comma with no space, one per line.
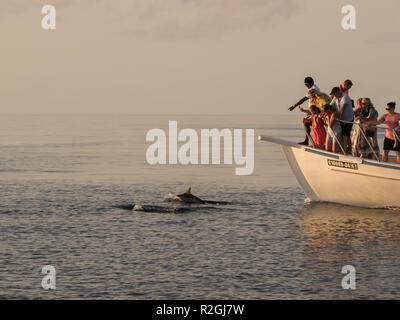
330,177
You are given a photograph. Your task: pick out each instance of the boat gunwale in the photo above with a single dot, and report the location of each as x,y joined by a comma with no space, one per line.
321,152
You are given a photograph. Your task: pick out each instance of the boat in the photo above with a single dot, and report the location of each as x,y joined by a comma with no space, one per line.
330,177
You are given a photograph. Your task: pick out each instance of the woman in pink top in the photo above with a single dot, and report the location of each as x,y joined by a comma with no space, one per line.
391,119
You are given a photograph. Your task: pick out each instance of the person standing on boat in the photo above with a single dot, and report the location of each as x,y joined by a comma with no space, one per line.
345,89
310,84
366,116
318,127
334,133
345,86
321,99
318,99
343,105
356,136
391,119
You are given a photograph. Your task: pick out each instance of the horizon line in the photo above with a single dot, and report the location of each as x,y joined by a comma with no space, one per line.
143,114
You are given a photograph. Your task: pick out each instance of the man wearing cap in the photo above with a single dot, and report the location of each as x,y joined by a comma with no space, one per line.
342,103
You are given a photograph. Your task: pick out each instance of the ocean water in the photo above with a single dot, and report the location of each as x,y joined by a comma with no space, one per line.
68,182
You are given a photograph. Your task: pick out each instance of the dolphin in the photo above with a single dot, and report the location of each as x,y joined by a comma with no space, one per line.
186,197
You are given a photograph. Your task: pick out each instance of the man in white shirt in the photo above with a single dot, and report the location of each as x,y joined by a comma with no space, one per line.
343,105
309,83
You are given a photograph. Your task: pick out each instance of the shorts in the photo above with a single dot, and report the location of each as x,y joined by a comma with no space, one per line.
346,129
388,145
331,133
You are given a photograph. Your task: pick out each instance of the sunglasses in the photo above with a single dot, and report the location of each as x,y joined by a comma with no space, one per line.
388,109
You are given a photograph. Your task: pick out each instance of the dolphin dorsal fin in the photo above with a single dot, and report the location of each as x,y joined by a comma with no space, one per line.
189,191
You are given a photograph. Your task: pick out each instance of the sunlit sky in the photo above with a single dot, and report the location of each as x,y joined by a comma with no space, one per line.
192,56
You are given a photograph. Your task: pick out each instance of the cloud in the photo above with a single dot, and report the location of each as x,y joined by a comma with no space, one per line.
174,19
200,18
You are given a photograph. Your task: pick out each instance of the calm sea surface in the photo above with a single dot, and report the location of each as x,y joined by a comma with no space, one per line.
67,184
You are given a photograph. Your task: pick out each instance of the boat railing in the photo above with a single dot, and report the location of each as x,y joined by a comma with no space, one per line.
365,136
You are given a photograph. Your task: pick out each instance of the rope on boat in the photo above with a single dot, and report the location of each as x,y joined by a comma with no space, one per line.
338,142
365,137
378,127
373,126
363,133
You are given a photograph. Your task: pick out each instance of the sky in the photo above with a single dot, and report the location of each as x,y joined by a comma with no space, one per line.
192,56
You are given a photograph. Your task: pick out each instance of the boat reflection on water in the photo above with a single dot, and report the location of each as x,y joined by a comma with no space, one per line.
347,224
335,235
